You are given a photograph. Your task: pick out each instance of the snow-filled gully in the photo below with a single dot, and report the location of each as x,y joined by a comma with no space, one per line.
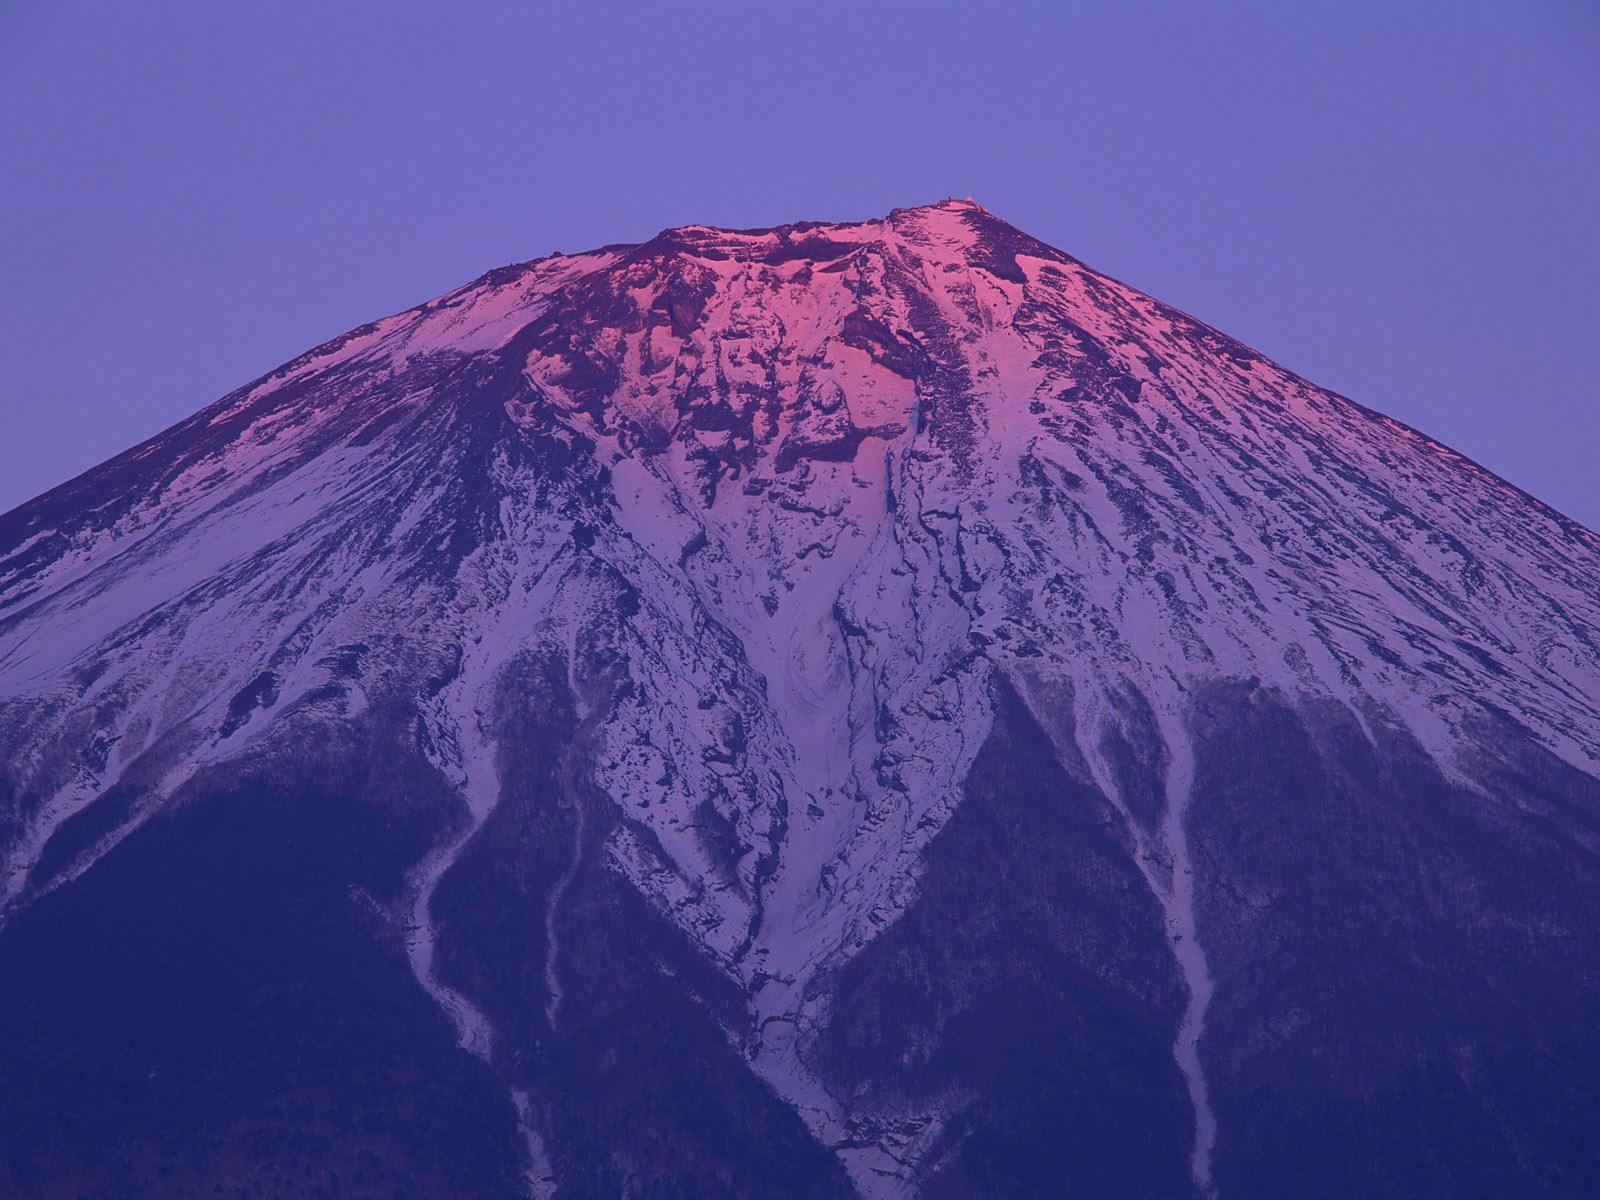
481,787
479,782
1177,904
572,785
1164,860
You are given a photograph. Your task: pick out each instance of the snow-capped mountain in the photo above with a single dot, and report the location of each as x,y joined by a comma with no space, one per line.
870,709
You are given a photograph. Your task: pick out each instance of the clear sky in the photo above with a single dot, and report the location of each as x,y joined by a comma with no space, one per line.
1399,200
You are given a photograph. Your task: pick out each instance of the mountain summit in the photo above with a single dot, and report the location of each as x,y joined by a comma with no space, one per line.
839,710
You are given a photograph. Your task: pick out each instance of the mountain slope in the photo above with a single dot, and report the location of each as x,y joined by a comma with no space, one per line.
847,708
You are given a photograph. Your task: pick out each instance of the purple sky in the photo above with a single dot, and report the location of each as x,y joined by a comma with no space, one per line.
1399,200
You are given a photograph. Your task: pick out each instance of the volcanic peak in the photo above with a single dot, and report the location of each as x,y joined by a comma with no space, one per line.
829,598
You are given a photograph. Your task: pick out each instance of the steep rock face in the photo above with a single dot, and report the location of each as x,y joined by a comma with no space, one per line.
846,709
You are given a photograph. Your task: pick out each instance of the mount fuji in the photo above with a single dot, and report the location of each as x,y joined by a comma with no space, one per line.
872,710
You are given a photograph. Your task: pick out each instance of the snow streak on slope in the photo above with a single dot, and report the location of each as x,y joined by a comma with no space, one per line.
814,492
1177,900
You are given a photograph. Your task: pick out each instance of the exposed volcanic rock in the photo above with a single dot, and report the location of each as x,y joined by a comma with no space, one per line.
838,710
